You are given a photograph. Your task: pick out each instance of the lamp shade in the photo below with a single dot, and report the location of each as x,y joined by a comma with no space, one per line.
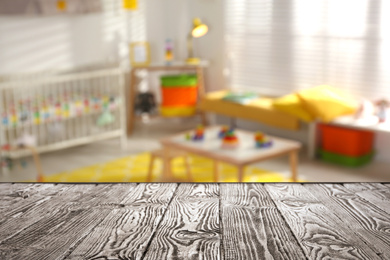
199,29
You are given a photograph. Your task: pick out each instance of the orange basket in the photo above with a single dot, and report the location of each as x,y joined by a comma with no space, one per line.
179,96
346,141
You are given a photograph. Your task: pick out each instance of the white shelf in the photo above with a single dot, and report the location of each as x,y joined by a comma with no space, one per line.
369,123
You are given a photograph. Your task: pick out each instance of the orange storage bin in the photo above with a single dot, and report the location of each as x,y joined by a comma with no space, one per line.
346,141
179,96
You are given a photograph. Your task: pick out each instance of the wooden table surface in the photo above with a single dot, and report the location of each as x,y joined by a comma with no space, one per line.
246,153
195,221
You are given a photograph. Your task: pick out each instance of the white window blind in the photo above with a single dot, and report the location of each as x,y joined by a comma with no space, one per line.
275,47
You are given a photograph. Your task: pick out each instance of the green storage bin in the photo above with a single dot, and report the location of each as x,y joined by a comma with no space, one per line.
344,160
185,80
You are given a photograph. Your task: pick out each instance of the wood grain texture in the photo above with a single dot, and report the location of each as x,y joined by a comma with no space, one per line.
16,195
66,224
25,212
361,217
195,221
321,233
125,232
190,228
365,186
376,193
252,225
9,188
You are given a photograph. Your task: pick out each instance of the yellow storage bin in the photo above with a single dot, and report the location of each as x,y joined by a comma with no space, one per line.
177,111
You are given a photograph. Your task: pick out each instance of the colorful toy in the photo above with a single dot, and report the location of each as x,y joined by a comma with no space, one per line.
382,109
188,136
43,109
5,119
168,52
105,118
223,131
262,141
199,133
230,140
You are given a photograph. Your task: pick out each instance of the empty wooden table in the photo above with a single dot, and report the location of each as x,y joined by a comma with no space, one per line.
245,154
195,221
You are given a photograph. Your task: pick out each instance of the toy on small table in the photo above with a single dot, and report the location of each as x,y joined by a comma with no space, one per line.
230,140
199,133
223,131
262,141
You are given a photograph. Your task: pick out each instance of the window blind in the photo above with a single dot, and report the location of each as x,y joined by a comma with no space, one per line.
276,47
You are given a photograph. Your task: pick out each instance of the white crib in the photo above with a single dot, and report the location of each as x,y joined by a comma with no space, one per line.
56,110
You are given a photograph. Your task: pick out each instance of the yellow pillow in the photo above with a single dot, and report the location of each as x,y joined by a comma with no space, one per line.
326,103
292,105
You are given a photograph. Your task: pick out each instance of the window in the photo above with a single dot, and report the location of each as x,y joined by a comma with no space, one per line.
275,47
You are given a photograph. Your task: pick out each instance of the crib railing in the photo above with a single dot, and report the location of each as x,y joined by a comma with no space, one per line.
56,111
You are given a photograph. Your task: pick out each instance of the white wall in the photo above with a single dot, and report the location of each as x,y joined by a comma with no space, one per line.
173,19
35,43
38,43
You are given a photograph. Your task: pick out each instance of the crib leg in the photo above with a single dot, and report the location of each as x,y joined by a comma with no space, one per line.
123,140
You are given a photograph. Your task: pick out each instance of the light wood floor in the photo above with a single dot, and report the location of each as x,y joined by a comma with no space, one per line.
145,138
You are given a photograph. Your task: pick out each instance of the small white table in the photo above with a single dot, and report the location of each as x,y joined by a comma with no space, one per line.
246,153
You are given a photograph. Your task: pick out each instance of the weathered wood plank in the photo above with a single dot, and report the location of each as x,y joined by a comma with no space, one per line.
126,232
54,235
7,188
320,233
252,225
361,217
376,193
26,213
190,228
18,195
365,186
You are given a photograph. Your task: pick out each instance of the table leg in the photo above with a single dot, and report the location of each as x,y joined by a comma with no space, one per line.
150,169
131,103
293,165
201,91
188,168
216,171
240,173
166,159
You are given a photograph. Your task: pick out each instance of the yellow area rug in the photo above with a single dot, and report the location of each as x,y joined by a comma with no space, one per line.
134,169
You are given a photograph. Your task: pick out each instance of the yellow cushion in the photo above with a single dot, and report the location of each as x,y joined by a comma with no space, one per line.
326,102
291,104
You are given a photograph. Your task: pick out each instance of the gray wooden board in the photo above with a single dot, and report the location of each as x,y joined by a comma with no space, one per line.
252,225
376,193
320,233
46,204
53,235
367,186
125,232
16,195
190,228
194,221
10,188
361,217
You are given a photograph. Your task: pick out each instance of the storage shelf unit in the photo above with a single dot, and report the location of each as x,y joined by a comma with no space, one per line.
180,67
